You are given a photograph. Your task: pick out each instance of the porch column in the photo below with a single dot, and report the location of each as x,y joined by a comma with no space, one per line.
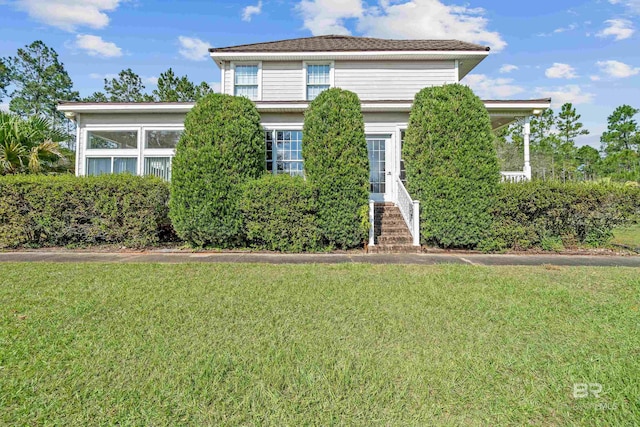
527,139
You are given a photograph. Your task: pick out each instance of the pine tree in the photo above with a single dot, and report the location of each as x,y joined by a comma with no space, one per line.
4,78
569,128
178,89
40,82
622,132
127,87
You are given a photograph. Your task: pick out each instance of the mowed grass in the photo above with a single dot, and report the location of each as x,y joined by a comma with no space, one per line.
627,236
196,344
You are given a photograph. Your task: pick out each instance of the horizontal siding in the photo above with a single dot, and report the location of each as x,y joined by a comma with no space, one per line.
228,87
377,80
282,81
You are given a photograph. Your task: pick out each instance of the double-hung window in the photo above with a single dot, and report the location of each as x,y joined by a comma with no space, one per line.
318,79
247,81
284,152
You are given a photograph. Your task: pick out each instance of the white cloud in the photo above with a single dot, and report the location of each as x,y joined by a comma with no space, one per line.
327,16
595,78
563,94
95,46
632,5
570,27
4,107
151,80
619,29
507,68
69,14
249,11
99,76
561,71
617,69
193,48
488,88
413,19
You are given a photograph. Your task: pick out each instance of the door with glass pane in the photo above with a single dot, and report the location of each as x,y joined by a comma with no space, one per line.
378,147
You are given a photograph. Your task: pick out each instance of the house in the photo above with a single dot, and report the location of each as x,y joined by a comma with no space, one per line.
282,77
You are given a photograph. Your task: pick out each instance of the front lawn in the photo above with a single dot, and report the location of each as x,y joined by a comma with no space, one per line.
627,236
296,345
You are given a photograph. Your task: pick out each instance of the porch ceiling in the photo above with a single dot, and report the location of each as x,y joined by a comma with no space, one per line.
502,112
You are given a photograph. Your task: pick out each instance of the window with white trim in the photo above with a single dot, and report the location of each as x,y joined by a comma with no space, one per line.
246,81
284,152
318,79
158,166
112,139
107,165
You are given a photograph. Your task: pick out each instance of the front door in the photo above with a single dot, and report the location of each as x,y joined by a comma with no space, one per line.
379,149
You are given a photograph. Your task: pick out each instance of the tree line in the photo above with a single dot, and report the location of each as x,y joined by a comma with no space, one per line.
554,154
35,81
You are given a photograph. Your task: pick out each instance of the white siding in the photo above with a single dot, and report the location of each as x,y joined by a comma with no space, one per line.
228,85
282,81
383,80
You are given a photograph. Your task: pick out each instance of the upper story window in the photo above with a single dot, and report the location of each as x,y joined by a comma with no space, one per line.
247,81
318,79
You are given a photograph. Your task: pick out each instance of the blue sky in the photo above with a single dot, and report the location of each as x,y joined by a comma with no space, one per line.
585,52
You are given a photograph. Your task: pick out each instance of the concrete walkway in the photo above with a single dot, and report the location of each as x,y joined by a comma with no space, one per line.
418,259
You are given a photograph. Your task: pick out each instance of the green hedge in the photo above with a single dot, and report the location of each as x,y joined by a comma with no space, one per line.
280,214
452,166
40,211
552,214
221,148
334,149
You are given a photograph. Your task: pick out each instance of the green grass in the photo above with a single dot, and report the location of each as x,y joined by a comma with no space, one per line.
627,236
105,344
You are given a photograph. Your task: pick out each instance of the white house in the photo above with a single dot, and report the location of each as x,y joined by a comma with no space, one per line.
281,77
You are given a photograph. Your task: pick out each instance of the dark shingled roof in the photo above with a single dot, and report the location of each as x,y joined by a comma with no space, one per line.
352,44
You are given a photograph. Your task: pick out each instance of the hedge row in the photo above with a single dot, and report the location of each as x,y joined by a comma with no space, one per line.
555,214
40,211
280,214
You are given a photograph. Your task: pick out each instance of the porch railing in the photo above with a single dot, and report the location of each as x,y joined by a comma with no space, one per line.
410,210
514,176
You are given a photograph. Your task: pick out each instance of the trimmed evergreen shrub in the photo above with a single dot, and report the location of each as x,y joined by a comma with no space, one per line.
37,211
221,148
280,214
452,166
334,149
535,214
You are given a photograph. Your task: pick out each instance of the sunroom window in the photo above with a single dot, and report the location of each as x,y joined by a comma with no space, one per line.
112,139
246,81
318,79
107,165
284,152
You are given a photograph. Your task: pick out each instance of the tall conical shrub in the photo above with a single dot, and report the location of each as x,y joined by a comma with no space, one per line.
452,166
221,148
334,149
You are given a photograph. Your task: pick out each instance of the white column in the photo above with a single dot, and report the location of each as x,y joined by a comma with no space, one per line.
372,214
527,140
416,223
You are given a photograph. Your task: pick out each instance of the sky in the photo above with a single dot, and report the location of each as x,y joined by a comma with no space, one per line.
584,52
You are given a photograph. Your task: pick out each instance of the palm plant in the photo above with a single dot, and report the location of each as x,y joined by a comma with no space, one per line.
29,145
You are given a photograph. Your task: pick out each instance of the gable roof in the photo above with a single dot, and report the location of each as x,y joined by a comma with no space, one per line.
337,43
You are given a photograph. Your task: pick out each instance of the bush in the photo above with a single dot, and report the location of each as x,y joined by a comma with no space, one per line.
452,166
37,211
553,214
336,163
280,214
221,148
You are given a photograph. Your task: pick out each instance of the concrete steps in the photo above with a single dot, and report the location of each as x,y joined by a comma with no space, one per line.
391,233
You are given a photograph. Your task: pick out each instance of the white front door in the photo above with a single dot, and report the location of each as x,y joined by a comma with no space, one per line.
380,167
